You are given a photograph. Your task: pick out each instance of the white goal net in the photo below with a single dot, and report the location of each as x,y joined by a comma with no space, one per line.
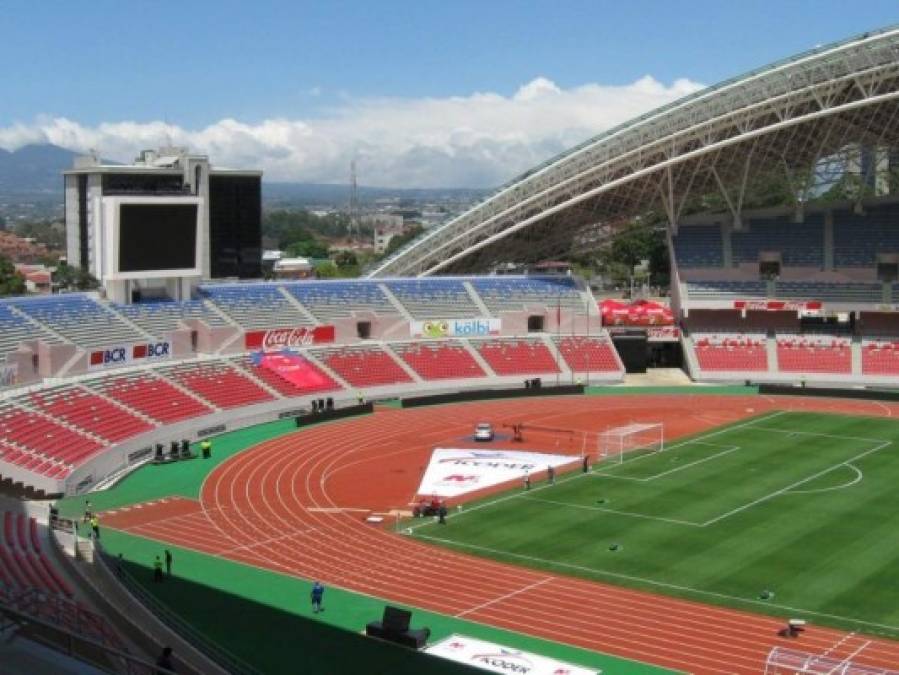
644,437
782,661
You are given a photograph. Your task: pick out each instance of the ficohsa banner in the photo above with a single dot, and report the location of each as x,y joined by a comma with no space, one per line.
442,328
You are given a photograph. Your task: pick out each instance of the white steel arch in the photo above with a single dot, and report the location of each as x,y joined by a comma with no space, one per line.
788,116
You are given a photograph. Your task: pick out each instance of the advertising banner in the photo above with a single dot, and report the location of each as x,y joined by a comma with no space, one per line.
778,305
276,339
294,368
132,354
453,472
495,658
443,328
637,313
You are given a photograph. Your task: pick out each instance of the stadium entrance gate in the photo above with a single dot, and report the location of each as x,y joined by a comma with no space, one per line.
633,348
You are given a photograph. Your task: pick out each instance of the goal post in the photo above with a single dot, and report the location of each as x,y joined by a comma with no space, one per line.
616,442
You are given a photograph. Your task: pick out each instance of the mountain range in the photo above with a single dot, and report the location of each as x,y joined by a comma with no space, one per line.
36,171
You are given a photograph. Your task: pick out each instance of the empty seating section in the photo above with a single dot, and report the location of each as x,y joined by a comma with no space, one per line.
714,290
46,440
363,366
843,292
509,293
731,351
159,318
15,328
335,299
698,246
517,356
151,396
814,354
81,319
257,306
22,562
880,357
800,244
434,298
588,354
219,383
857,238
32,461
286,387
438,361
89,411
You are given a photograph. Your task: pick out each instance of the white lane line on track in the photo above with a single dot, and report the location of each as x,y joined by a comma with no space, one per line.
511,594
845,662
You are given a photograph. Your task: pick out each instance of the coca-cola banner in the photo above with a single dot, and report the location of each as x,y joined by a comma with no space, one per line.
276,339
777,305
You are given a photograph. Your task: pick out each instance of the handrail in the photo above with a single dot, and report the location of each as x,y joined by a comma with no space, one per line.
211,649
74,645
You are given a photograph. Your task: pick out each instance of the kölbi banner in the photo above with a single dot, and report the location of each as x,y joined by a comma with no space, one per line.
442,328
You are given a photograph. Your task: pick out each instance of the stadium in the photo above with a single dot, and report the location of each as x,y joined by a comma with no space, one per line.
743,522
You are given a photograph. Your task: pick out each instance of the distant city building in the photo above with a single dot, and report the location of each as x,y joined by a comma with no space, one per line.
293,268
163,223
385,227
37,277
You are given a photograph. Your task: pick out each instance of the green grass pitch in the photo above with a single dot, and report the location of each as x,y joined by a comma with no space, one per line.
803,505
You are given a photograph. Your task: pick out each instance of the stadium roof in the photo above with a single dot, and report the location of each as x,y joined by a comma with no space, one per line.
833,103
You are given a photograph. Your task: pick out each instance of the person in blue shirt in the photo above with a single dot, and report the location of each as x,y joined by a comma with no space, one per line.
317,592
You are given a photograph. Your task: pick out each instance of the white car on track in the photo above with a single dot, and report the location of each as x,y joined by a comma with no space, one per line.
483,432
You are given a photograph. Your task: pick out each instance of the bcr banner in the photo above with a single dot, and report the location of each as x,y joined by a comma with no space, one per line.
124,355
498,659
454,472
442,328
276,339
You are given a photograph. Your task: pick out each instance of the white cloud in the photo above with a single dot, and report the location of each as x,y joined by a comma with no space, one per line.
480,140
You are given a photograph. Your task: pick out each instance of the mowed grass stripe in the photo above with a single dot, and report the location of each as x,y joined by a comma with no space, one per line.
832,553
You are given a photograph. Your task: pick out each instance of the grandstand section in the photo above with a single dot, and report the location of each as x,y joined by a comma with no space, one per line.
439,360
158,319
81,319
256,305
219,383
503,294
338,299
585,354
150,395
525,356
435,299
92,412
363,366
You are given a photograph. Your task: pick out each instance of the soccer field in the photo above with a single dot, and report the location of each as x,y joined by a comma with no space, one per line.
804,506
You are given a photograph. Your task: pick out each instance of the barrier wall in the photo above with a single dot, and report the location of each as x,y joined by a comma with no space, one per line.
488,394
830,392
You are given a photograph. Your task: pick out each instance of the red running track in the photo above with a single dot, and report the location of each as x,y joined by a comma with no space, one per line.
295,505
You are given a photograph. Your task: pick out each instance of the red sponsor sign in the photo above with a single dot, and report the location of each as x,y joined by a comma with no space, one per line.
275,339
777,305
637,313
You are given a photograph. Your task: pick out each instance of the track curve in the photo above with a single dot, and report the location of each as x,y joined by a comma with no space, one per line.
288,504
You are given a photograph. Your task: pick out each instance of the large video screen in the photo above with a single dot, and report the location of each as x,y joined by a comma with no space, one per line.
157,237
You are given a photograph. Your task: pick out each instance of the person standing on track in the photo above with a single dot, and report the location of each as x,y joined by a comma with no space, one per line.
95,526
527,480
168,563
318,591
551,474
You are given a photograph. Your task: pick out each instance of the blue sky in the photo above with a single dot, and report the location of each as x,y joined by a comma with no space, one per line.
193,64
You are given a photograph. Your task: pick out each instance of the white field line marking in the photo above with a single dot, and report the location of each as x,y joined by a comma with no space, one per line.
615,511
781,491
838,644
565,479
729,450
858,478
660,584
820,435
512,594
845,662
271,540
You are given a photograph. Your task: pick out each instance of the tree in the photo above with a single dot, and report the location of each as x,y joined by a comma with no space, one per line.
636,242
401,240
327,270
11,282
71,278
307,248
346,259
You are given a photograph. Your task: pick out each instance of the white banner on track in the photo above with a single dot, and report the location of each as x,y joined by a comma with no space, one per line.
453,472
498,659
